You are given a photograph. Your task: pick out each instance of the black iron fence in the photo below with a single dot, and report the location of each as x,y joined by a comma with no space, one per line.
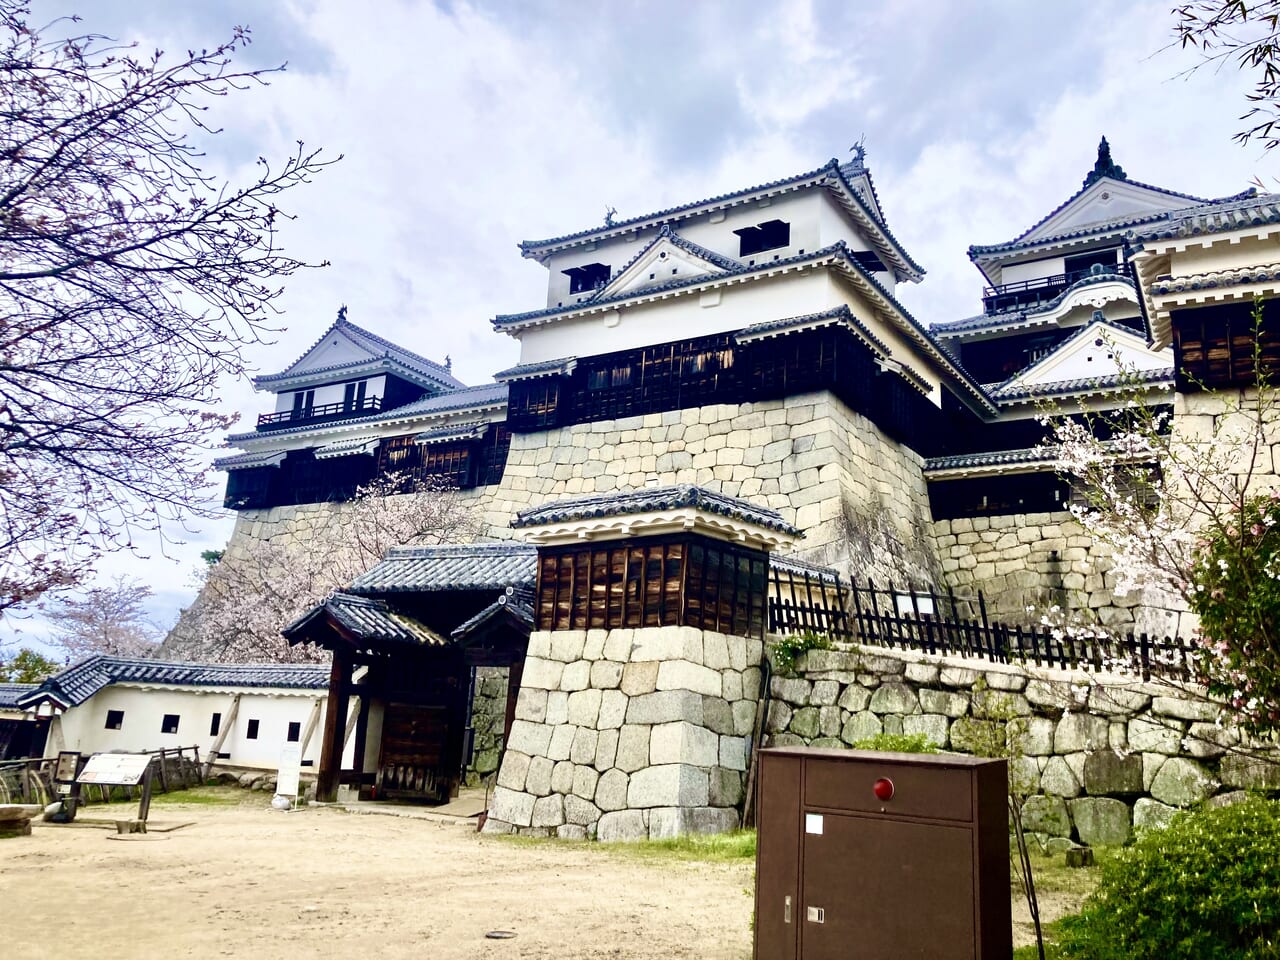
945,624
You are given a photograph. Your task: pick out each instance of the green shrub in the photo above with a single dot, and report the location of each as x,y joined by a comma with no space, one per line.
1207,887
789,647
897,743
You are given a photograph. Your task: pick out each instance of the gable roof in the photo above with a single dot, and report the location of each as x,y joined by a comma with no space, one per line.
1122,357
76,684
1082,217
833,176
365,618
372,354
697,259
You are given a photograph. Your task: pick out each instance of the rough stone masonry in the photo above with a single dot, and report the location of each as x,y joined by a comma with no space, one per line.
629,733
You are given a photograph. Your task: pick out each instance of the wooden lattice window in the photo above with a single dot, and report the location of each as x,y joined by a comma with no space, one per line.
653,583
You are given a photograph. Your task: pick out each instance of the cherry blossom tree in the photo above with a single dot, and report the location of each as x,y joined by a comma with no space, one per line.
1186,501
111,619
130,278
253,592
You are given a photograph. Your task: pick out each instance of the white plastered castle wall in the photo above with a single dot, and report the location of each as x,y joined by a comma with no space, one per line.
144,708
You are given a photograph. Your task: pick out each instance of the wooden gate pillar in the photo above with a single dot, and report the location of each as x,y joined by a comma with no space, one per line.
335,728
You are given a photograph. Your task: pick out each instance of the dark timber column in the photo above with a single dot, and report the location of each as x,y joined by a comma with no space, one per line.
335,728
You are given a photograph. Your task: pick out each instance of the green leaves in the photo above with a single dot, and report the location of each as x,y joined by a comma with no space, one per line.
1204,888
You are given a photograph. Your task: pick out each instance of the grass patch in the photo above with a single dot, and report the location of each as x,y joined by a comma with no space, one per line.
204,797
694,847
705,848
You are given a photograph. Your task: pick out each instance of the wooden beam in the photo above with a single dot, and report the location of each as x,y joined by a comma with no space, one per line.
335,724
312,721
225,727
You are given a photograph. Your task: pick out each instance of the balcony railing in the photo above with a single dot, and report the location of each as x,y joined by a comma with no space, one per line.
315,414
1042,289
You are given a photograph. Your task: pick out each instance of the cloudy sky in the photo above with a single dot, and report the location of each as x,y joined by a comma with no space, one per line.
467,127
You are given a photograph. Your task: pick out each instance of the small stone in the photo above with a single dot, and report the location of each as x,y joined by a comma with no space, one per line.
1149,736
945,702
633,748
606,674
548,811
611,790
639,678
824,692
804,723
584,782
562,777
1078,857
577,810
538,782
932,726
667,785
1249,773
855,698
1077,732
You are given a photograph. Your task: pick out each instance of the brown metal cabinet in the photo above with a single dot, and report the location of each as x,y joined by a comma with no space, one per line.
881,856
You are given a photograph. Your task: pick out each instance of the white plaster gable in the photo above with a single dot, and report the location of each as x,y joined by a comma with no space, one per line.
665,260
1097,351
1107,199
336,348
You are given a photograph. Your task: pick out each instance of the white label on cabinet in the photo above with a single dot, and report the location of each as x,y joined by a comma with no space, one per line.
813,823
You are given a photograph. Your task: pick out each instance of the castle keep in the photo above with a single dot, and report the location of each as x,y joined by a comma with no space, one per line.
745,359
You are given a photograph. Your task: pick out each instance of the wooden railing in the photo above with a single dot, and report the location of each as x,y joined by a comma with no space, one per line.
1028,292
30,780
323,411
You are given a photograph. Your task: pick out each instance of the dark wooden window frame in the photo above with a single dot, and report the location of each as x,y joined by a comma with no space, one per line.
678,580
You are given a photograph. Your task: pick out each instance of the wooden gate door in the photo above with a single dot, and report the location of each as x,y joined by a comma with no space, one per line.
414,752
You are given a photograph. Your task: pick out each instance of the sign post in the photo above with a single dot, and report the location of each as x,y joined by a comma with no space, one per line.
289,773
122,770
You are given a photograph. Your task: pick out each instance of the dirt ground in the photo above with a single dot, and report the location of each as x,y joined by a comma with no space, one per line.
246,881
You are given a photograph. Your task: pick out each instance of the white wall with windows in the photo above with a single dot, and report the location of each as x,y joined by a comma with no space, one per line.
131,718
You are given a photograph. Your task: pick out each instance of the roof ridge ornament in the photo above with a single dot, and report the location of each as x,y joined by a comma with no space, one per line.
342,313
1104,166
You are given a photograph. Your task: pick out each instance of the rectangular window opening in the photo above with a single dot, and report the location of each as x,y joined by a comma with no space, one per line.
251,733
215,724
770,235
295,731
169,724
115,719
588,277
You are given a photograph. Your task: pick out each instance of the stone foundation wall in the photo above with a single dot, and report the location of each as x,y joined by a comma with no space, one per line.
1100,755
624,734
859,496
1040,560
488,719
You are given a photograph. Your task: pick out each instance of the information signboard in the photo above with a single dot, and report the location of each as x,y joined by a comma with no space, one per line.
290,770
115,769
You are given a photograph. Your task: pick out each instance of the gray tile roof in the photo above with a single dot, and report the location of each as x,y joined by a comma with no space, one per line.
540,368
1114,381
475,566
840,314
368,619
832,173
517,605
1246,210
380,349
1115,225
798,567
487,395
10,692
1219,279
82,680
244,461
650,499
697,249
471,430
1014,316
1027,455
